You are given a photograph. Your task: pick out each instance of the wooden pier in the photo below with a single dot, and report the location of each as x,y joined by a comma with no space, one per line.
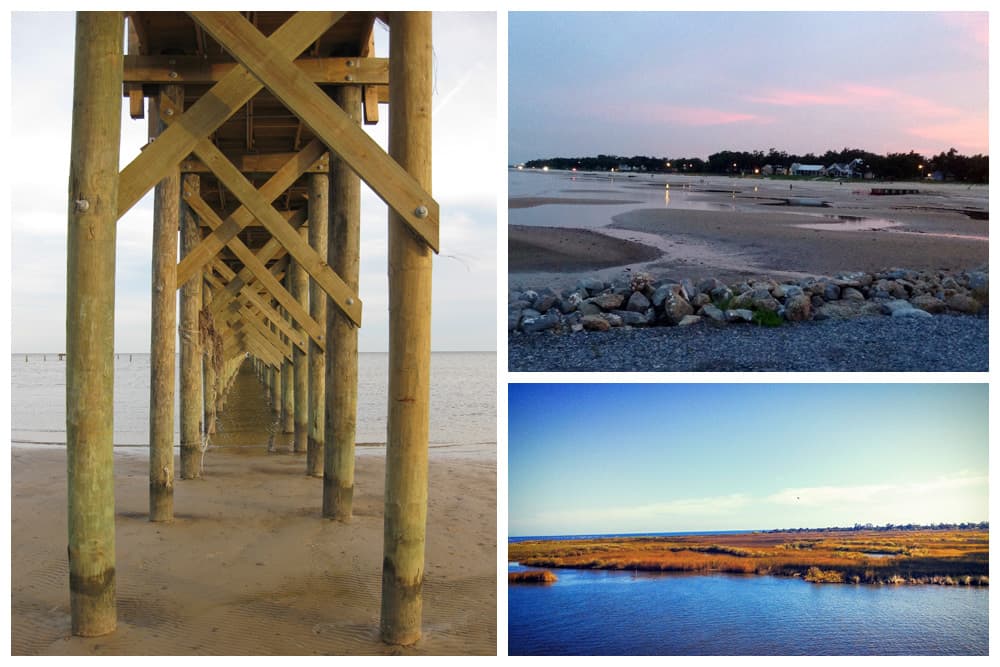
256,154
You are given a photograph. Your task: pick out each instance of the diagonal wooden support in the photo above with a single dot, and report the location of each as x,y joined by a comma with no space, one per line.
270,250
247,310
340,294
224,99
227,298
283,179
327,121
249,323
260,272
249,297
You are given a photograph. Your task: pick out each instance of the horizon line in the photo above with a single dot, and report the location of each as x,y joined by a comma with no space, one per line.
757,530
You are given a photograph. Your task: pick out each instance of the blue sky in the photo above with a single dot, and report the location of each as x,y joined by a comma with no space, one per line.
614,458
465,117
693,83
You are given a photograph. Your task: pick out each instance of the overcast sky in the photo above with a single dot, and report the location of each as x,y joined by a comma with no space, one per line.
624,458
464,307
688,84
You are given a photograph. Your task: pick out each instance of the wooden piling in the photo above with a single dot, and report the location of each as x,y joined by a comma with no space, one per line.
90,321
300,360
410,87
276,390
343,253
163,343
319,221
190,335
287,388
208,361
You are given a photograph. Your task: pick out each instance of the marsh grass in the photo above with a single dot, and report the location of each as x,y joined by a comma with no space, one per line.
959,557
531,577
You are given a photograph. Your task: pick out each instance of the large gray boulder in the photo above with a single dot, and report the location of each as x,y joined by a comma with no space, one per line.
540,323
637,303
798,308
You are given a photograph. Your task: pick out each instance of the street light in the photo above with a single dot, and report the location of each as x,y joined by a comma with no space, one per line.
921,172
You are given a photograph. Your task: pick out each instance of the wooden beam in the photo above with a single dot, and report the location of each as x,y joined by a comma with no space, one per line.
208,113
327,121
370,98
248,323
341,295
191,70
369,94
269,251
260,271
254,163
250,298
234,224
246,291
136,100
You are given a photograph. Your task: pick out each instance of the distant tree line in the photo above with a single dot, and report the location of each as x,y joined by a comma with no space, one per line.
949,165
982,525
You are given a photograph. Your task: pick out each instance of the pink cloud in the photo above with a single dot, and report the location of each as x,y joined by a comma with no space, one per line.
857,95
788,98
699,116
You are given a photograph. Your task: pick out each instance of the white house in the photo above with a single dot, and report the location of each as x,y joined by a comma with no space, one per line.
807,170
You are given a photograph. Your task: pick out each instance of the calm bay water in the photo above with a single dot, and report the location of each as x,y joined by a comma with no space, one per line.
463,399
595,612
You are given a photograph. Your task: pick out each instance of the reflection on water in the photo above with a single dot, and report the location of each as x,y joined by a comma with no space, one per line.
596,612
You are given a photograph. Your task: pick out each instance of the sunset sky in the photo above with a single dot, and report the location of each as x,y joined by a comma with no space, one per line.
688,84
625,458
464,110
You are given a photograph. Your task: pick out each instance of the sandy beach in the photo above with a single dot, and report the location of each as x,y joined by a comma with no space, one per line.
249,566
733,228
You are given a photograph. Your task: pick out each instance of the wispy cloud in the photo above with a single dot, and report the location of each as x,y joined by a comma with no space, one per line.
700,116
872,493
790,98
856,95
648,513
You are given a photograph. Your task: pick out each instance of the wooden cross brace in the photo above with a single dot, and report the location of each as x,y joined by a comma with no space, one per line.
278,73
205,116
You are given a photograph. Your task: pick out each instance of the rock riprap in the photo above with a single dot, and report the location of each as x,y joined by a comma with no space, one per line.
640,300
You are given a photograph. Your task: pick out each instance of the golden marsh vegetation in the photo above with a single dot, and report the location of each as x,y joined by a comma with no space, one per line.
946,557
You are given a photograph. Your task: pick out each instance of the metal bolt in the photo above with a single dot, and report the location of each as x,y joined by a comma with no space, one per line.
349,77
350,301
421,212
173,75
350,63
169,112
82,205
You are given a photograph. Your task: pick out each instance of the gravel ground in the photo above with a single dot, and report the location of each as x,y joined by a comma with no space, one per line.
943,343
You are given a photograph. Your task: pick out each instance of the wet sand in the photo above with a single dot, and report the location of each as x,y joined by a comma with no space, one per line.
249,566
562,249
731,229
531,202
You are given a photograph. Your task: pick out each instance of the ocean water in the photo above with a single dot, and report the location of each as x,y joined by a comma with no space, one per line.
597,612
463,399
